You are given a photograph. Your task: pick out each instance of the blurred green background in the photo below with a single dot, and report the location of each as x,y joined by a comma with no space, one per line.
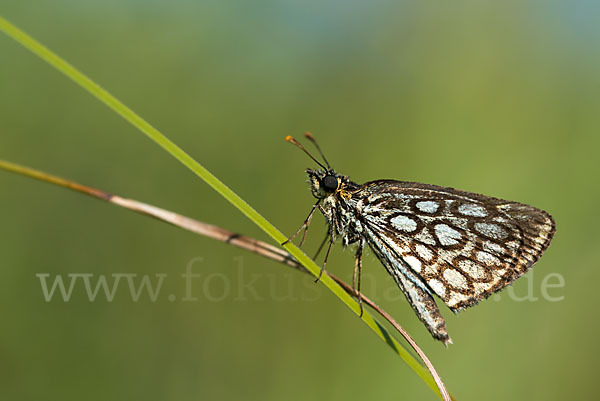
500,98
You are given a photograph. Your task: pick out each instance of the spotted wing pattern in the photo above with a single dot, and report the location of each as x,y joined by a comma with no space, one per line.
461,246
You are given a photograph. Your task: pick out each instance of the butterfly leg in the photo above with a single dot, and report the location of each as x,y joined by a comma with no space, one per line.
331,241
321,246
303,226
357,274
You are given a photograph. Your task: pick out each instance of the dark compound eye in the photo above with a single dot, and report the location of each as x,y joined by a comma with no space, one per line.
330,183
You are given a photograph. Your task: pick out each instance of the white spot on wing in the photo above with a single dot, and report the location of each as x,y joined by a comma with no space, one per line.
404,223
413,262
424,252
455,278
471,268
494,248
437,287
447,235
455,298
428,206
487,258
471,209
491,230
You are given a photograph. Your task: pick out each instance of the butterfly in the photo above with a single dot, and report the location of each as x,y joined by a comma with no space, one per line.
434,241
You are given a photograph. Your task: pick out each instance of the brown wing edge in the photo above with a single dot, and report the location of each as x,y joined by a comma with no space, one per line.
538,228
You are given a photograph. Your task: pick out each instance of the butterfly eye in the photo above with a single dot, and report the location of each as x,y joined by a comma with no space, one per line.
330,183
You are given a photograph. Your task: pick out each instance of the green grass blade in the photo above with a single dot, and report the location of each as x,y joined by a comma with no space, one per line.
145,127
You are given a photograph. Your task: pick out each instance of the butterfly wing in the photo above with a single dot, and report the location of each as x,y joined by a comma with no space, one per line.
462,246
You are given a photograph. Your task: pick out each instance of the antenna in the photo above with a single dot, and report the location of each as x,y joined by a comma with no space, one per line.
293,141
314,141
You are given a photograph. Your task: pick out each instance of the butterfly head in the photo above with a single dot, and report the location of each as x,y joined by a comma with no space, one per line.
324,183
